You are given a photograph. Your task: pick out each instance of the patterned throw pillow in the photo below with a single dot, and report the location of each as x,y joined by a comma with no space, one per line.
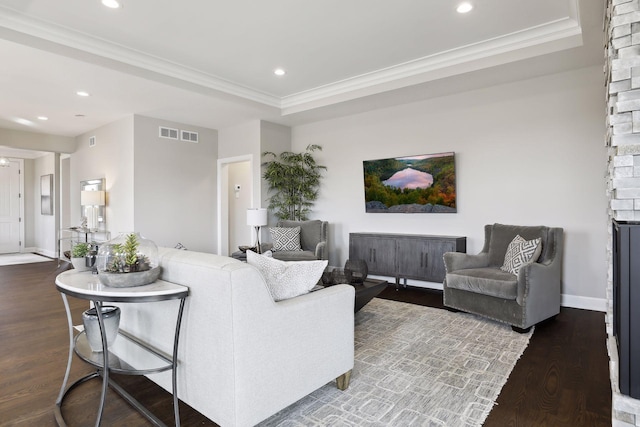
287,279
521,252
285,239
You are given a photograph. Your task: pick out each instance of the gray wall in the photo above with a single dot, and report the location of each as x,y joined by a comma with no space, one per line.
530,152
112,159
175,186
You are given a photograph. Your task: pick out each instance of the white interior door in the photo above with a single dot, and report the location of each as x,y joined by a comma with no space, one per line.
10,208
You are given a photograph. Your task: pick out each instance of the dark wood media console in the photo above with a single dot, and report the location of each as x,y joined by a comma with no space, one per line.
406,256
626,304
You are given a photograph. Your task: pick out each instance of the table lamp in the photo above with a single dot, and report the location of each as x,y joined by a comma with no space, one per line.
257,218
92,200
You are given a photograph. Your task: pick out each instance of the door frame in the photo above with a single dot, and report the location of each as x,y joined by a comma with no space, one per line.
223,198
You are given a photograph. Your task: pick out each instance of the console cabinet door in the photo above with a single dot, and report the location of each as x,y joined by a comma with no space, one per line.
437,271
378,252
413,258
422,259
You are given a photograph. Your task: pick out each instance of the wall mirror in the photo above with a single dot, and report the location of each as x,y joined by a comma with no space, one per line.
92,203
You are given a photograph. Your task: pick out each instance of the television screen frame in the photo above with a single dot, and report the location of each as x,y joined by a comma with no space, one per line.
421,183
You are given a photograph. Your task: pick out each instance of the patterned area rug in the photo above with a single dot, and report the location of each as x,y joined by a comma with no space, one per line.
11,259
415,366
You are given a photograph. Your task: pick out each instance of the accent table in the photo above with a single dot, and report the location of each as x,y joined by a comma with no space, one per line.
127,355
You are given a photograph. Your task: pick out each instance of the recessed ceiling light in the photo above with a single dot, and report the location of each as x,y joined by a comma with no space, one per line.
82,93
24,122
113,4
464,7
43,118
79,115
279,72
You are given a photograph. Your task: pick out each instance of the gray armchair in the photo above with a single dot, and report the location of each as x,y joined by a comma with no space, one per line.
476,284
313,240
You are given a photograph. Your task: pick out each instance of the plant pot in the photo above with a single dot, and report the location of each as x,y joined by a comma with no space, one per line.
111,321
128,280
80,264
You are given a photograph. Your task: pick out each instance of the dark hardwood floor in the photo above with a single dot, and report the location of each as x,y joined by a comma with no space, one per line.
561,380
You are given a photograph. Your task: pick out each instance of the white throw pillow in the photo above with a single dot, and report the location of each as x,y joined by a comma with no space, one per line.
285,239
521,252
287,279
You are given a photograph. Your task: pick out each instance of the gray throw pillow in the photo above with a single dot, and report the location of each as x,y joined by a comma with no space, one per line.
285,239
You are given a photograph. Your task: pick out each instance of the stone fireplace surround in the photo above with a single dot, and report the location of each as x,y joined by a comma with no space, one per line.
622,77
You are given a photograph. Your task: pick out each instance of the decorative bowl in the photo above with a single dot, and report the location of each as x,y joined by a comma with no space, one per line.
128,280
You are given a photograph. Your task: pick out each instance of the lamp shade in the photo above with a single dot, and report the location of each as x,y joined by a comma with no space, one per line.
257,217
92,198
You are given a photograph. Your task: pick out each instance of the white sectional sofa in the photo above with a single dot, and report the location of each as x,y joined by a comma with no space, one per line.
242,356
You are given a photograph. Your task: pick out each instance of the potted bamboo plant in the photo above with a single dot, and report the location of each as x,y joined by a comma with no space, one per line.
294,181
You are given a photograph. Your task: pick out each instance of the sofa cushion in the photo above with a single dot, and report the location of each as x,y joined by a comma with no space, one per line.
295,255
285,238
502,235
287,279
488,281
519,253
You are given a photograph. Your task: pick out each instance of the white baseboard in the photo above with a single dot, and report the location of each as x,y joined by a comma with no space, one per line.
585,303
40,251
572,301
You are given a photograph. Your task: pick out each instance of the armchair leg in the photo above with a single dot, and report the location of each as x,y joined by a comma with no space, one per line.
520,330
343,380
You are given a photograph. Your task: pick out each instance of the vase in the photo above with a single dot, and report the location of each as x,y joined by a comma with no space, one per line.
359,269
111,322
128,260
341,275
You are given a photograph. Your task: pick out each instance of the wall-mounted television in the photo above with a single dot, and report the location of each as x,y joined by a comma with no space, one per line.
412,184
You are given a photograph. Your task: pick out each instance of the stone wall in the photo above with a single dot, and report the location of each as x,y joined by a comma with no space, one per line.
622,69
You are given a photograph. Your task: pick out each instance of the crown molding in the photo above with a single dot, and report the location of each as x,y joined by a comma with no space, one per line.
21,23
542,39
550,37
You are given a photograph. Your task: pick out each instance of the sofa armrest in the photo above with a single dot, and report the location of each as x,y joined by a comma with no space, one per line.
454,261
292,347
321,251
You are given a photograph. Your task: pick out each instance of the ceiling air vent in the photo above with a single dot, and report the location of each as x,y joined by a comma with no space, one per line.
189,136
168,133
92,141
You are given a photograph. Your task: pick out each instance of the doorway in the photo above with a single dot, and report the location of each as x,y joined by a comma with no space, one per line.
11,207
235,196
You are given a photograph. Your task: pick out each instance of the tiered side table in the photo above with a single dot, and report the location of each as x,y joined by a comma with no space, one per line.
127,355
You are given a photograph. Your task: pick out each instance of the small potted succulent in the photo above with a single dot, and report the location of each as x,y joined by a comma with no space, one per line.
78,253
128,260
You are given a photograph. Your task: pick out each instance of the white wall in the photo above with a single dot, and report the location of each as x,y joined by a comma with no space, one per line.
112,159
249,140
528,153
175,186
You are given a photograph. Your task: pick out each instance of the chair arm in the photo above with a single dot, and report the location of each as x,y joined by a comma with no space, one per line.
321,251
458,261
539,283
